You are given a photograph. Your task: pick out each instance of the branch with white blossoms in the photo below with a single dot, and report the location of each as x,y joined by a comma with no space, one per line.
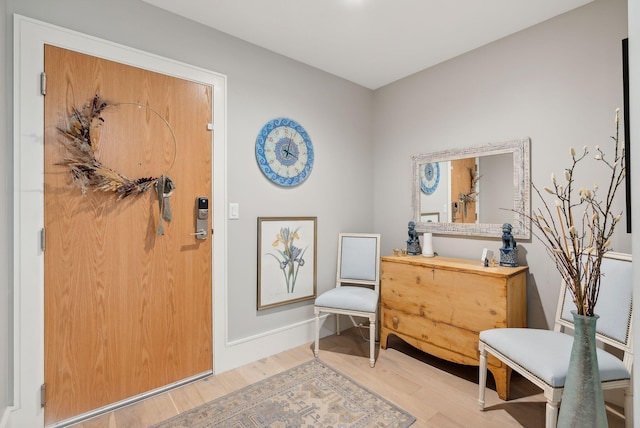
577,231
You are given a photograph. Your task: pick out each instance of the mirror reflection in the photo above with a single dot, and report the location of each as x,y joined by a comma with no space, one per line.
472,191
458,195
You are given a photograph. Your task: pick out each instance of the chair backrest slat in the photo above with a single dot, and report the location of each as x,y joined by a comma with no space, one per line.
614,306
358,259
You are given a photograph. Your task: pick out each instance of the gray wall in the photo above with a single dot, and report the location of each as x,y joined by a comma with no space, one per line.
495,196
558,82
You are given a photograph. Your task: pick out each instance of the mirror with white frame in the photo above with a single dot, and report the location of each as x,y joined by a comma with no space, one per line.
473,191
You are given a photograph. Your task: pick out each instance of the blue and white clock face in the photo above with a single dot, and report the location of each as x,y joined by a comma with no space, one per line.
284,152
429,177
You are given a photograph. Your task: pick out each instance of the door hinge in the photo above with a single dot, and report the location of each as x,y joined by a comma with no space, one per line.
43,394
43,83
42,239
209,126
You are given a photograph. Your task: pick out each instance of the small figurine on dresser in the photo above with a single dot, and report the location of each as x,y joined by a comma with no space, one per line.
509,250
413,243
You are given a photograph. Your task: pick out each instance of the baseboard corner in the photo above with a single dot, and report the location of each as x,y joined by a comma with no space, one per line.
5,418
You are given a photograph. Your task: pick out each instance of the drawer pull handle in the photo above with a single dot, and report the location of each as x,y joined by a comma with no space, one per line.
395,320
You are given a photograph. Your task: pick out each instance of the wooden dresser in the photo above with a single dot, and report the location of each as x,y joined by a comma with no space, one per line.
440,304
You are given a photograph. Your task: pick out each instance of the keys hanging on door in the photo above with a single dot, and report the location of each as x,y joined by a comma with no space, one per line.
164,187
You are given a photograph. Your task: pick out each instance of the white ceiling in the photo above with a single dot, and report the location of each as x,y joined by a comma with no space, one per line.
369,42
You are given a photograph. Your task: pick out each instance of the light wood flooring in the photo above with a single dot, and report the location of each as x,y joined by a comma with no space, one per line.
438,393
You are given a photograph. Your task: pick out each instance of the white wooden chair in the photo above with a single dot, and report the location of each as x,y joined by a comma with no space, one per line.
542,356
357,285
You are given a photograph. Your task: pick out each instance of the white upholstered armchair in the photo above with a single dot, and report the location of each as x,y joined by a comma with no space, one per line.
542,356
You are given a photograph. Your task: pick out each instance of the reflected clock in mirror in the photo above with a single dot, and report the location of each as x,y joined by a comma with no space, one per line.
476,191
429,177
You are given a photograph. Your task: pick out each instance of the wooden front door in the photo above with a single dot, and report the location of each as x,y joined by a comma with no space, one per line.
126,310
463,174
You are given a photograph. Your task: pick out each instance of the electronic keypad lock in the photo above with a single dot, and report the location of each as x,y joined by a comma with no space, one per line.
202,217
203,208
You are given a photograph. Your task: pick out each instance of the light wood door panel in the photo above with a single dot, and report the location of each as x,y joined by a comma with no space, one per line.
463,172
126,310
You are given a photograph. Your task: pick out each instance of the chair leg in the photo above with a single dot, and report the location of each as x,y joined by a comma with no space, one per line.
628,407
482,381
551,419
337,324
317,345
372,340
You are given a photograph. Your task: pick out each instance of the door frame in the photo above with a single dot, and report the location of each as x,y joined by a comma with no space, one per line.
30,36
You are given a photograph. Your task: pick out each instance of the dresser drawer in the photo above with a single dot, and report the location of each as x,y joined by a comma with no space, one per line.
467,300
459,341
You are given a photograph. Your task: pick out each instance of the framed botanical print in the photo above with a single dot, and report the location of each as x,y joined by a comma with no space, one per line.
286,260
430,217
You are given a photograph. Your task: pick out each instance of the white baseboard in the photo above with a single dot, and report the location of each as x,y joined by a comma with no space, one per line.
5,421
237,353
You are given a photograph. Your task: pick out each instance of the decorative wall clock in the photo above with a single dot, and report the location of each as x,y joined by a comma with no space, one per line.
429,177
284,152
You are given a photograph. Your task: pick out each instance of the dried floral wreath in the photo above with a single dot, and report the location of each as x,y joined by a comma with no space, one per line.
81,141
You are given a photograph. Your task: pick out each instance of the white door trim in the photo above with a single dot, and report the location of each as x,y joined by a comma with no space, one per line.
30,36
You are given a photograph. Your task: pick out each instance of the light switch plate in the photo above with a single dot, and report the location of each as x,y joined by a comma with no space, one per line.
234,211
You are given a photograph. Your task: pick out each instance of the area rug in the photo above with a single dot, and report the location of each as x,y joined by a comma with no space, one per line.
309,395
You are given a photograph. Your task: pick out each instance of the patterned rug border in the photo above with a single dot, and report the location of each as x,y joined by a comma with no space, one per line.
410,418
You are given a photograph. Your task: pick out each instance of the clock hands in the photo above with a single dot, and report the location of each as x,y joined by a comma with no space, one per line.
288,153
287,150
